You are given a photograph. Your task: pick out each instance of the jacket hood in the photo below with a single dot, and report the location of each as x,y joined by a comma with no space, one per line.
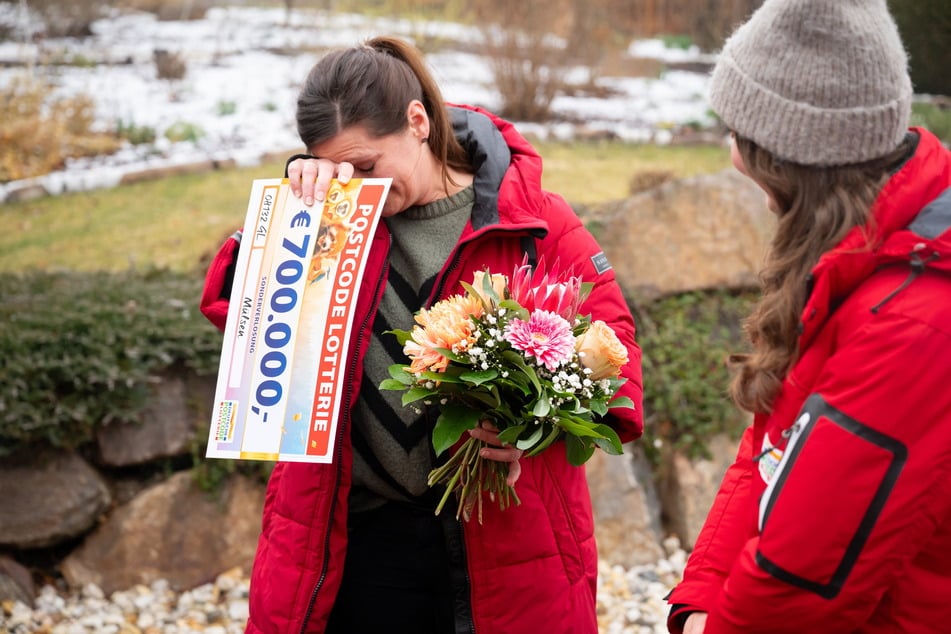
912,226
507,167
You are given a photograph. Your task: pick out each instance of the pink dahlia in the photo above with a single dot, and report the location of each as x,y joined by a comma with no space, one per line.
546,336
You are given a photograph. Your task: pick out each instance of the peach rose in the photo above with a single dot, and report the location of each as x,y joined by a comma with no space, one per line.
497,282
601,351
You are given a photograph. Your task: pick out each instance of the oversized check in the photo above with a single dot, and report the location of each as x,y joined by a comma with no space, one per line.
283,372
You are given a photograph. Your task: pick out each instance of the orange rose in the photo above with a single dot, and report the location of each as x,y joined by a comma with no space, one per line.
601,351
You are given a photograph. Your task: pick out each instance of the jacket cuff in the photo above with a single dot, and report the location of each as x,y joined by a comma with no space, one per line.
677,617
294,158
218,282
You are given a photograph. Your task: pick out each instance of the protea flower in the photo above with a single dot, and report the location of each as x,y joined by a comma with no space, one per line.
557,291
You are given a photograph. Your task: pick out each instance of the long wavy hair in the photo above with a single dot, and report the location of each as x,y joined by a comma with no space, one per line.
817,207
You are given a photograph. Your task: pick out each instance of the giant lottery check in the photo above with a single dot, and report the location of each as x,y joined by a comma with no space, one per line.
282,376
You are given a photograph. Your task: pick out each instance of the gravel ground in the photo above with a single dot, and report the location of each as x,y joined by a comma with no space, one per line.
630,601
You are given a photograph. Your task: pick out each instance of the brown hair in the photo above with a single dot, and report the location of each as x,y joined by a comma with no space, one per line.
372,85
817,207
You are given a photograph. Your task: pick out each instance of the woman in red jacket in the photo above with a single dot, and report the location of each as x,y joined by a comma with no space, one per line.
354,546
836,516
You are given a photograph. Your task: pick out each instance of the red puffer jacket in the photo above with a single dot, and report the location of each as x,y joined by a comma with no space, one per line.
528,568
842,522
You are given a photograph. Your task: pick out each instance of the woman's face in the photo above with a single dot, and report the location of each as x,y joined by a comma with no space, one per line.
404,156
740,166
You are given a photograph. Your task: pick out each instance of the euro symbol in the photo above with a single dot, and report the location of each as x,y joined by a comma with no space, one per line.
301,219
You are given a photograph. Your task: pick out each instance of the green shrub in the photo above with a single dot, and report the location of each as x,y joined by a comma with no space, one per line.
184,131
683,42
225,108
934,117
78,350
135,134
685,341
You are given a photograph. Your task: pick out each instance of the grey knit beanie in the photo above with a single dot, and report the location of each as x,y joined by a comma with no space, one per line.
816,82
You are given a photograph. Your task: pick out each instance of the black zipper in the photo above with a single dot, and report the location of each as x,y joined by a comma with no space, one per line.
338,459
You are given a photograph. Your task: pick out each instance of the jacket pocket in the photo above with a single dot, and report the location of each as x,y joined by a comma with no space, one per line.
825,499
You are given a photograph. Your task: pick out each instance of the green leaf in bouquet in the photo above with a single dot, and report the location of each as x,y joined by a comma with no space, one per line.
570,403
585,290
534,437
392,384
583,428
478,377
622,402
470,289
416,394
542,406
581,325
451,375
402,336
578,450
487,292
399,372
518,361
553,434
453,421
610,442
486,395
514,307
598,406
517,381
510,434
449,354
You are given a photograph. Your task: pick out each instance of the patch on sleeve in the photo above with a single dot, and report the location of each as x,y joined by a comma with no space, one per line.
600,262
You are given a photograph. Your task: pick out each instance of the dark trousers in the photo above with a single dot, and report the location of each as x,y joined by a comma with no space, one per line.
396,575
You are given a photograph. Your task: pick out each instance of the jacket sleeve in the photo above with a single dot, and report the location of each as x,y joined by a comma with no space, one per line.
573,246
724,533
218,280
863,487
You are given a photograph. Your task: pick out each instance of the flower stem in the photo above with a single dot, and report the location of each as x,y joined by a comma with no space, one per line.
467,474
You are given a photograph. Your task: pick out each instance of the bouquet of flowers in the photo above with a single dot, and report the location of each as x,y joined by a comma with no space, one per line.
513,351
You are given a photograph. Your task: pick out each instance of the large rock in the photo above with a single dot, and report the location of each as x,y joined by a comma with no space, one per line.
626,510
171,531
709,231
16,582
180,406
688,486
48,497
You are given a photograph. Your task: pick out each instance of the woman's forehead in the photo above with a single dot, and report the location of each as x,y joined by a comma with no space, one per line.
355,142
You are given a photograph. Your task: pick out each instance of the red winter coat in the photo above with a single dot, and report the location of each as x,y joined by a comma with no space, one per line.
846,525
530,568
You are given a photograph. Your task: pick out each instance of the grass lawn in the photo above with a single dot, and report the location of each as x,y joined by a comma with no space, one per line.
178,222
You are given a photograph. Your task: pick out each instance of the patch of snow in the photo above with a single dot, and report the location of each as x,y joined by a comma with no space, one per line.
244,67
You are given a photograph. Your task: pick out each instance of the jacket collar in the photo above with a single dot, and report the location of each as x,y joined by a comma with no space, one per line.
912,220
508,169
